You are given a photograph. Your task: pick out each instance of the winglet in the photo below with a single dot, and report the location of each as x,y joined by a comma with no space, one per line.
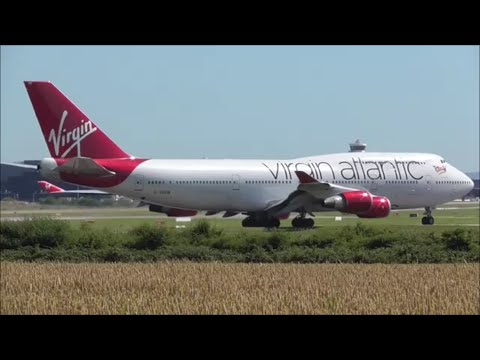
304,178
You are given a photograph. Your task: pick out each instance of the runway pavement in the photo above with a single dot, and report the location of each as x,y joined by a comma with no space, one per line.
143,213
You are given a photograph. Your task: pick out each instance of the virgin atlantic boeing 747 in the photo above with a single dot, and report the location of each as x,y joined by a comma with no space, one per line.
367,184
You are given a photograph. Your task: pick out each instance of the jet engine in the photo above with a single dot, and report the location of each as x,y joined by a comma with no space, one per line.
361,203
380,208
352,202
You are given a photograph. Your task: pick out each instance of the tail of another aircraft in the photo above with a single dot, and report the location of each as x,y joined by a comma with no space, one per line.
66,129
49,188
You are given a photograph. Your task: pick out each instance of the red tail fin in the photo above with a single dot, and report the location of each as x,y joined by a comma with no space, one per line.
66,129
49,188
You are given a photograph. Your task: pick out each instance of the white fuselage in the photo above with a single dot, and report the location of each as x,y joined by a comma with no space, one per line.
408,180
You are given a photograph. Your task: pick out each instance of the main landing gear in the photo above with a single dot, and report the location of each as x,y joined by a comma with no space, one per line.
261,220
300,222
428,219
256,221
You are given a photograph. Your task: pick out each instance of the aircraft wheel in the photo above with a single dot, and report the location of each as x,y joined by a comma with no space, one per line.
248,222
428,220
273,223
309,223
297,222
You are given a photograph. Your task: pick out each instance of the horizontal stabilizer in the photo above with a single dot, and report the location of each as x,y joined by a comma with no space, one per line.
21,165
84,166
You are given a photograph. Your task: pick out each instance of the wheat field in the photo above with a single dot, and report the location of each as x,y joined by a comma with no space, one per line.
217,288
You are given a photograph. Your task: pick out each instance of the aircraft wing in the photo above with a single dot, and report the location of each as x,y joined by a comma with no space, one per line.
309,192
320,190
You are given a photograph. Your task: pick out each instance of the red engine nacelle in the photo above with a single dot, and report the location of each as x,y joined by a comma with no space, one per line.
357,201
361,203
283,216
180,212
352,202
380,208
172,212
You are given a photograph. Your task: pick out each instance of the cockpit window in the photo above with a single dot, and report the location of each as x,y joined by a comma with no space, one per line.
442,161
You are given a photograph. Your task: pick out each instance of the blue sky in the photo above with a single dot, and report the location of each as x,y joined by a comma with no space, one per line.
253,101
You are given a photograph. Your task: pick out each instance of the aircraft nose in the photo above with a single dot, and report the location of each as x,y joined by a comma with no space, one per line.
471,184
468,183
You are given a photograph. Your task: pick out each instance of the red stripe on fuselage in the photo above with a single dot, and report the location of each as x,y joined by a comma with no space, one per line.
122,168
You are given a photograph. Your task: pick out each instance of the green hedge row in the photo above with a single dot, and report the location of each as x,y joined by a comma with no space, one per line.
46,239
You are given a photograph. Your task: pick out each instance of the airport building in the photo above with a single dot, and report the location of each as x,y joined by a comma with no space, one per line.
357,146
20,183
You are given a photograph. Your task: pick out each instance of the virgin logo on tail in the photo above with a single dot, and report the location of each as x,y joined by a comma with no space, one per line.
70,138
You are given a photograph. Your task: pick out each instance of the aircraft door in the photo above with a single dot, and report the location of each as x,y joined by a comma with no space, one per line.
138,182
235,182
428,183
412,187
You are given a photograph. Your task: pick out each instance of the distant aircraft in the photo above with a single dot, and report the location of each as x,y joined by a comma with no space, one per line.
49,188
366,184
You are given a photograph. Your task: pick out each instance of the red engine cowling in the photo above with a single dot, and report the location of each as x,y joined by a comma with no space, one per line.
361,203
172,212
357,201
283,216
180,212
352,202
380,208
